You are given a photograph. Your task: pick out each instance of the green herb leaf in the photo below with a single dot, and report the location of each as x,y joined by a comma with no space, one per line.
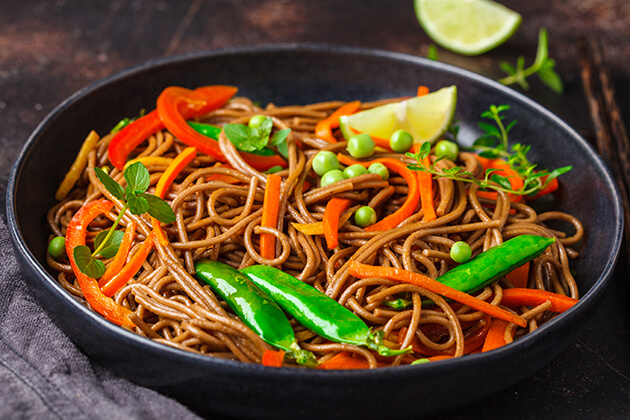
137,205
159,208
137,177
87,264
279,140
110,248
245,138
112,186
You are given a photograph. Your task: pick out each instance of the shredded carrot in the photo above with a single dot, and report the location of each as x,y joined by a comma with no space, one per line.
271,209
519,277
75,171
333,211
423,90
535,297
324,128
496,335
273,358
131,268
165,181
344,360
363,271
425,181
121,256
317,228
413,196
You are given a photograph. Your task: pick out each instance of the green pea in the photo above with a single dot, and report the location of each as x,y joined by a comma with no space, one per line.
325,161
447,149
57,247
355,170
331,177
365,216
379,168
256,120
461,252
361,146
401,141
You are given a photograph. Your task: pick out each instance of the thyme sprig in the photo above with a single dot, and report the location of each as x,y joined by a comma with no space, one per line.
493,144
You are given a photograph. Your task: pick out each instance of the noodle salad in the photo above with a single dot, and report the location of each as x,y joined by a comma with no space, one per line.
332,235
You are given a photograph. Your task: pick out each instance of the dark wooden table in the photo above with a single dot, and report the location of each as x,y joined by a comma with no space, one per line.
51,48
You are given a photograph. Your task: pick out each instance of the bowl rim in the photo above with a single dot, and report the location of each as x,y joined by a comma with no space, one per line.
586,301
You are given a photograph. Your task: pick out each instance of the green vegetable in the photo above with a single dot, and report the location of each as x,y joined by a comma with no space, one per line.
420,362
254,307
447,149
432,53
256,120
355,170
401,141
325,161
493,144
543,66
137,201
207,130
273,170
252,139
365,216
461,252
399,303
495,262
331,177
361,146
379,168
316,311
57,247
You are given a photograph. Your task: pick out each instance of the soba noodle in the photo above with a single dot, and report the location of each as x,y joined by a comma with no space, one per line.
221,221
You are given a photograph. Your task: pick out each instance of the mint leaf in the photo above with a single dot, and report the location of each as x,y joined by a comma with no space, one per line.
87,264
279,139
137,177
245,138
159,208
111,246
108,182
137,205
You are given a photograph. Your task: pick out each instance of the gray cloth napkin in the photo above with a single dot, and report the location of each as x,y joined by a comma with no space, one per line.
44,376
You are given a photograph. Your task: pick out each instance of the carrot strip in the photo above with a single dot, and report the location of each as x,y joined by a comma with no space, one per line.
422,90
165,181
534,297
344,360
332,213
317,228
519,277
439,357
425,181
271,209
413,196
505,170
496,335
273,358
363,271
121,255
131,268
324,128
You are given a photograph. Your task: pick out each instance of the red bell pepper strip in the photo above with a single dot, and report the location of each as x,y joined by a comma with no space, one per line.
131,268
413,196
165,181
121,256
271,210
75,236
519,277
332,214
363,271
505,170
324,128
533,297
126,140
273,358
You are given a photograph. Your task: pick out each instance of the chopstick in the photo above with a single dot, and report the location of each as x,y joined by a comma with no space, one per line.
611,137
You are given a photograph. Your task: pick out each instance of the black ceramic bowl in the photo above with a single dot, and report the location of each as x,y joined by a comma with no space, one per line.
297,75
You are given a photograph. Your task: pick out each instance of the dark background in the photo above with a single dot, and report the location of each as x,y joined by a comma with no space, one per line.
50,49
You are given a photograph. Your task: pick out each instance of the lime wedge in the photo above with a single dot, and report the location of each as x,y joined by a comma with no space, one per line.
426,117
468,27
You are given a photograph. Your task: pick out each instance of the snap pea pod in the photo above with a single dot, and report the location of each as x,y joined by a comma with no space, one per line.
254,307
316,311
495,262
